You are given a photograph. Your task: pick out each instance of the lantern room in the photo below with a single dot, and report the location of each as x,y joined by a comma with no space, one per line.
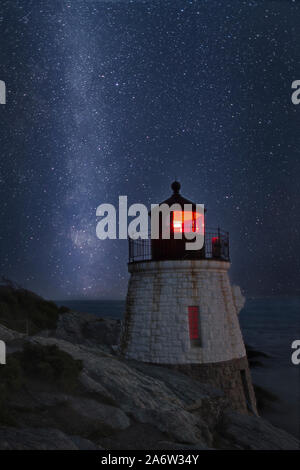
179,221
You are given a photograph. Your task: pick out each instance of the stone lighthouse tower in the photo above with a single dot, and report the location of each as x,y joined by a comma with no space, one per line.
181,309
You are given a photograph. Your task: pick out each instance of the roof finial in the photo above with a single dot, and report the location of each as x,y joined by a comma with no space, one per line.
176,187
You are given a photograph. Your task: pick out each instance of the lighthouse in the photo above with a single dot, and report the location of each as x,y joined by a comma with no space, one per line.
181,309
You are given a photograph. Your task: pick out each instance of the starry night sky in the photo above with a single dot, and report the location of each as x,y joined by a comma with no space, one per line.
108,98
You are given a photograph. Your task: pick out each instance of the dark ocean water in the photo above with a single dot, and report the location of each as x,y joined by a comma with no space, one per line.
269,325
103,308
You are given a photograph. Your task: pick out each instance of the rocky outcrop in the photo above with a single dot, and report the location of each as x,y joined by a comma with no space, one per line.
81,328
122,404
238,298
41,439
253,433
7,335
25,311
96,417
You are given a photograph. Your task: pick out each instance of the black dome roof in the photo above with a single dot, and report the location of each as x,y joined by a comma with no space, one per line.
176,197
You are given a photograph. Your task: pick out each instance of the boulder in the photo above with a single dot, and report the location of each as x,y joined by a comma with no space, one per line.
97,418
238,298
254,433
88,329
7,335
178,425
167,445
41,439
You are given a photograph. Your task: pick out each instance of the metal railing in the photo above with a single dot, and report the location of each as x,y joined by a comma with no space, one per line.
216,246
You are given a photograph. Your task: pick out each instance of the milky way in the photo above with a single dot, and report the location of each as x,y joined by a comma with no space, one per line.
117,98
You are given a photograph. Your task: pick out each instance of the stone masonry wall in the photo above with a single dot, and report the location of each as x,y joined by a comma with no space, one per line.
156,326
226,376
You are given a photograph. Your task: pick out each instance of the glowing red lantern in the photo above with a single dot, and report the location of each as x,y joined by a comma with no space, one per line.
183,218
187,221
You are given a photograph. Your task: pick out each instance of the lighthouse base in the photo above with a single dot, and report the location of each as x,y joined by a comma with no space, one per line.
232,377
184,313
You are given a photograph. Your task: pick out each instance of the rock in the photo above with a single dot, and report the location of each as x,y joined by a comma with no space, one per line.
70,325
254,353
88,329
36,399
126,386
104,331
253,433
118,403
40,439
264,398
7,335
95,417
25,311
145,398
93,387
137,437
188,389
167,445
176,424
130,405
196,397
84,444
238,298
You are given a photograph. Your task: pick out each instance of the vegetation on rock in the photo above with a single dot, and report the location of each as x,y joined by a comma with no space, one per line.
50,364
26,312
46,364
